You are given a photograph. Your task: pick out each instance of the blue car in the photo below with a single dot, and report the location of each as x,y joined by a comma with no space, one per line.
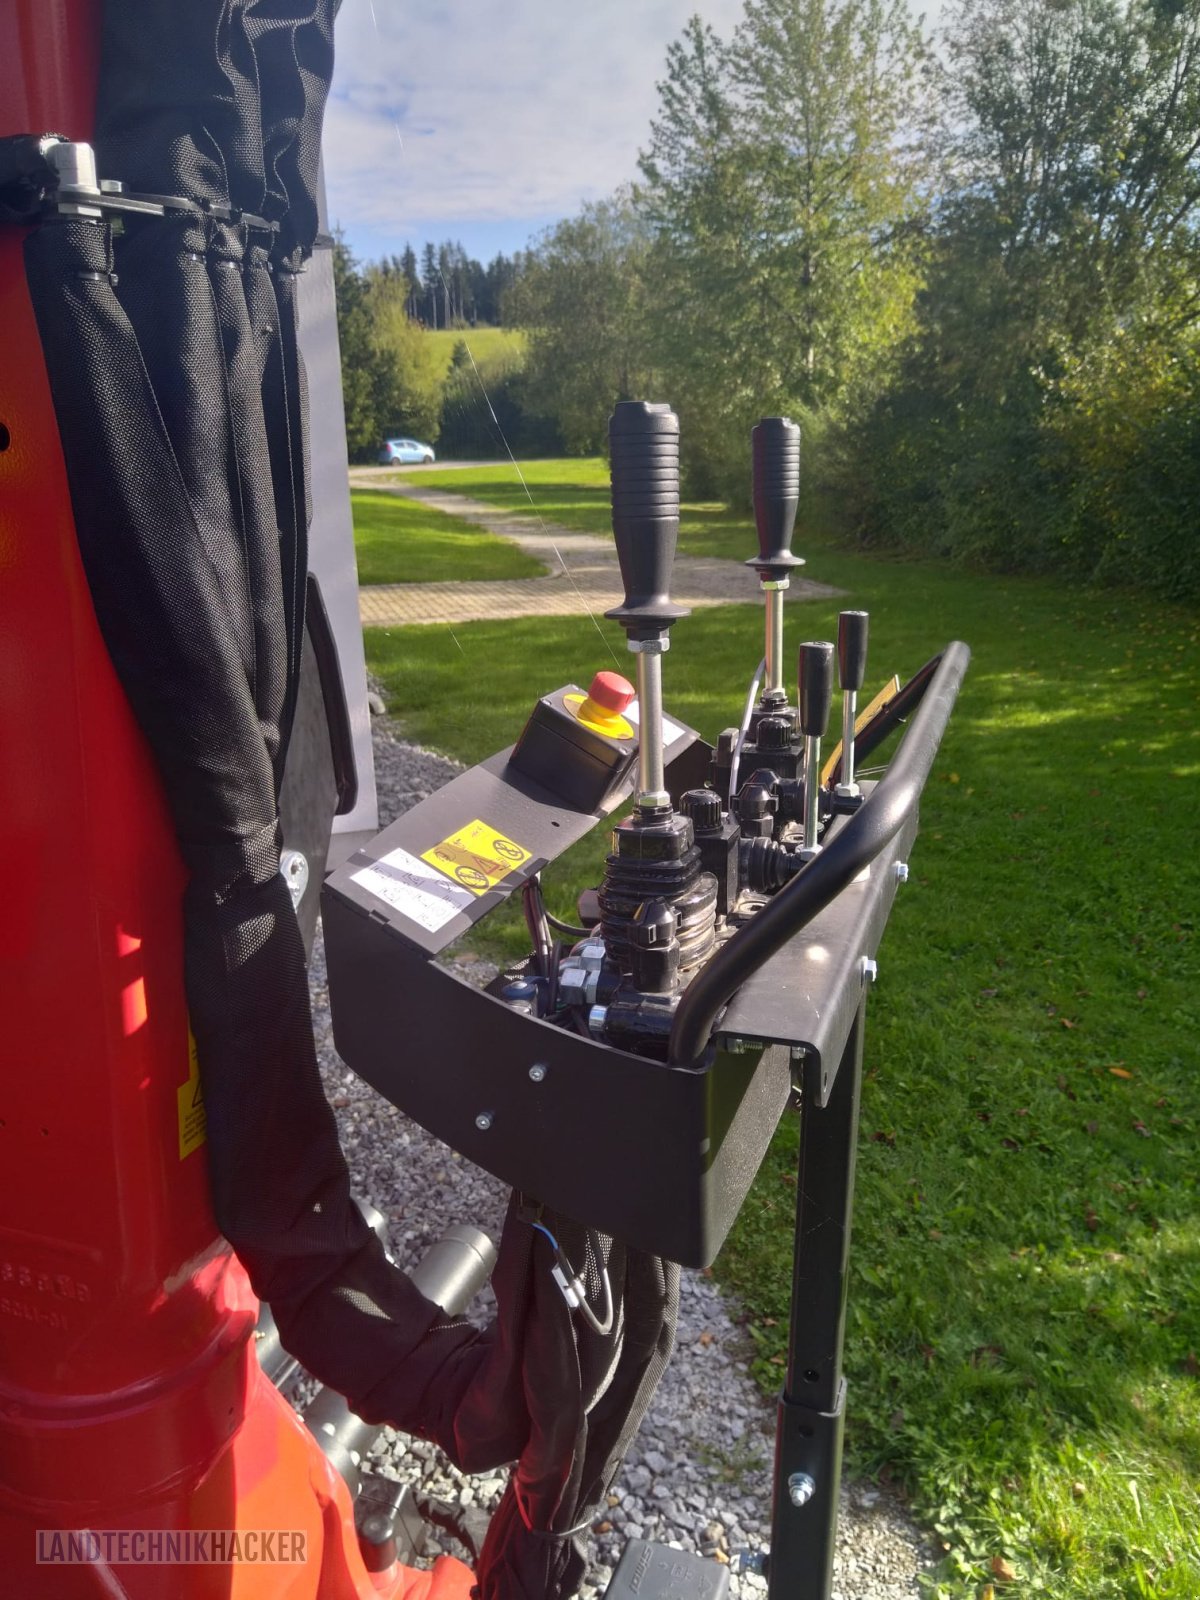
404,453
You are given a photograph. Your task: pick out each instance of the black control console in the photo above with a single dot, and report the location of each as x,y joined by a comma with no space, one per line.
632,1078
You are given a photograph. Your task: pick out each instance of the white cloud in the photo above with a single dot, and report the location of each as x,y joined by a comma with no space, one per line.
461,112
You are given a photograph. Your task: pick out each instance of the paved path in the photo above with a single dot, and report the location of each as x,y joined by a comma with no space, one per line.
583,575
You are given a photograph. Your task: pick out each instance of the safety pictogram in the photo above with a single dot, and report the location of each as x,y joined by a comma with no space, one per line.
478,856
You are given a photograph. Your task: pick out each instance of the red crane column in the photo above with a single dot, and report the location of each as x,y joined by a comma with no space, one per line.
130,1395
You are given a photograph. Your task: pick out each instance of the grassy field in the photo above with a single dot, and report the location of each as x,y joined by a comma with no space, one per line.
496,350
1023,1341
401,541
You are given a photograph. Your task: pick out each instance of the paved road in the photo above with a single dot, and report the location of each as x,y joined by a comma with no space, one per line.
583,576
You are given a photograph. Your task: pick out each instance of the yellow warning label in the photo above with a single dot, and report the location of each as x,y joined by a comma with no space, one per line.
193,1126
477,856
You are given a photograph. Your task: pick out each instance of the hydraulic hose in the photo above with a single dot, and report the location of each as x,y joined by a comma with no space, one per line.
885,811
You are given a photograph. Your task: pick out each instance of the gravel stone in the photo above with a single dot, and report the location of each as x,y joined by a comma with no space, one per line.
698,1475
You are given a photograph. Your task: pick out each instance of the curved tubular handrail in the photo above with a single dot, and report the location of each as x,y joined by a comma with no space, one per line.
886,720
877,821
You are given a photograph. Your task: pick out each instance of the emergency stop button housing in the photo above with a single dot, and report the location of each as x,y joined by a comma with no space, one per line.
580,746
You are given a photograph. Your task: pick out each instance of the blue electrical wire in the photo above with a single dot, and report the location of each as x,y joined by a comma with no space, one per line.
549,1235
571,1279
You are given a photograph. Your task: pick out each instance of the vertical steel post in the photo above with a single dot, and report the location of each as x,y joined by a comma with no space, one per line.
812,1407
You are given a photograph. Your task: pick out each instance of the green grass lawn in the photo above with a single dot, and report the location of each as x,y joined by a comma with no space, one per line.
496,350
402,541
1023,1339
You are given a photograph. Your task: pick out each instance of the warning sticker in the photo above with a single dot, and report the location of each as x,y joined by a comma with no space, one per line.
193,1124
477,856
408,885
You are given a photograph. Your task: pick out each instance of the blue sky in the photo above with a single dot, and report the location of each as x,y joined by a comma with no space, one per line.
488,120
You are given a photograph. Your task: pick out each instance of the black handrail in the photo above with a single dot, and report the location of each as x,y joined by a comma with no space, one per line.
852,848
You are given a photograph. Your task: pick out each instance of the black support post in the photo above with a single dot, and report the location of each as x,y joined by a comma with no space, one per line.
812,1407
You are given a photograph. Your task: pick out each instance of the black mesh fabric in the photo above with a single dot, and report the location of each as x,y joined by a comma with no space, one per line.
175,366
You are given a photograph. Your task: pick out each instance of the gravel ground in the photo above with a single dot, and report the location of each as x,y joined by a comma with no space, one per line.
698,1474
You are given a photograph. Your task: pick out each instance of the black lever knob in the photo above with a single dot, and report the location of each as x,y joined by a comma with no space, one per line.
852,649
775,449
815,688
644,448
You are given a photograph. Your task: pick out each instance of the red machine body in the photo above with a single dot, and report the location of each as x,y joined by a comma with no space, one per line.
130,1393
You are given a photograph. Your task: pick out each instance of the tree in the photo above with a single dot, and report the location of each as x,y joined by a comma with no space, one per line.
429,281
583,297
359,362
408,266
786,210
1056,363
408,385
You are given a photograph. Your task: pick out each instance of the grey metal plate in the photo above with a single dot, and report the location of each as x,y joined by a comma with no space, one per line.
808,993
390,880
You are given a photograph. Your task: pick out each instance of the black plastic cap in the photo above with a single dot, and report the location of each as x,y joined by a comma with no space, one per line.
852,649
815,688
773,733
644,450
703,806
775,449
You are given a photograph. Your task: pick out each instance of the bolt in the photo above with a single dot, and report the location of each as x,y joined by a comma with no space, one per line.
870,969
483,1121
901,871
293,867
801,1489
537,1072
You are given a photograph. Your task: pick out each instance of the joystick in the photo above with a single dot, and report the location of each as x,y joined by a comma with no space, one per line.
814,698
775,446
852,669
644,445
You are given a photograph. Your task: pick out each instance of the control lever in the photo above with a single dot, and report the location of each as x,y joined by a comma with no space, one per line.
775,446
852,669
644,451
814,699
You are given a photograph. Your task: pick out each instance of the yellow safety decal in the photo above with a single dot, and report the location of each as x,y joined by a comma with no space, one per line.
193,1125
610,723
477,856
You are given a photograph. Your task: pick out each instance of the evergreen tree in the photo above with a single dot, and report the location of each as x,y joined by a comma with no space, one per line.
408,265
429,281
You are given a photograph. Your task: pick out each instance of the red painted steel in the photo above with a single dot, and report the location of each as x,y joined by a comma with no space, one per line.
130,1396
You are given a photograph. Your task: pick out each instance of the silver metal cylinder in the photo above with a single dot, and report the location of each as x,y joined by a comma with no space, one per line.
774,638
849,713
651,790
76,167
452,1271
812,790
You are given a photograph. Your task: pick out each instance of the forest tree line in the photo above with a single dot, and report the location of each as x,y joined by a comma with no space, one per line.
967,266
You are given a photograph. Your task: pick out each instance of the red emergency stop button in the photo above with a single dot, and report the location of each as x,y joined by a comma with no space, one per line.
611,692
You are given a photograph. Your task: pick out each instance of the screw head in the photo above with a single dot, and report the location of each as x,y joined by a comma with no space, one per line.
293,868
537,1072
801,1489
483,1121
